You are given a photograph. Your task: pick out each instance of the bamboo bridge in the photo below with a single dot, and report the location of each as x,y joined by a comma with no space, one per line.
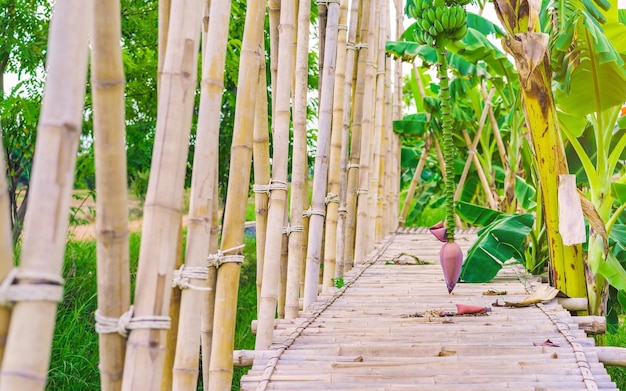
393,326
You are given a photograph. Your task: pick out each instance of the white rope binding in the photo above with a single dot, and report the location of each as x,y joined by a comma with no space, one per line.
41,287
216,260
127,322
181,277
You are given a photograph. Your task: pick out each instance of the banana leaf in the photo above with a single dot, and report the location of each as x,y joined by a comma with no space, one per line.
476,215
525,194
498,244
411,125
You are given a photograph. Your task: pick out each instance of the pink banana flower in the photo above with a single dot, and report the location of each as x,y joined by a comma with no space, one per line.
450,256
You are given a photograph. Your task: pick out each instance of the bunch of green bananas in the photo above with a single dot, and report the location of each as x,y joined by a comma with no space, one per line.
439,20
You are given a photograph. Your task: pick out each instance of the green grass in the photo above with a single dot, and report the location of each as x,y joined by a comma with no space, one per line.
74,357
618,374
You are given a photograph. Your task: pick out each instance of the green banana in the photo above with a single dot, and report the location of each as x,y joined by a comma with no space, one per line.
439,12
440,3
431,15
445,18
438,27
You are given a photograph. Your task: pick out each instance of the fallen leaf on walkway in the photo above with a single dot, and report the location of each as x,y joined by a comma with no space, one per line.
547,342
543,293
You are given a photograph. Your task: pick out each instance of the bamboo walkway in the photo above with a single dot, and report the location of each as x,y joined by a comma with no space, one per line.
382,331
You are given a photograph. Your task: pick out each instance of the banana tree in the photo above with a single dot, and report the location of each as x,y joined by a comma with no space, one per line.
587,51
529,48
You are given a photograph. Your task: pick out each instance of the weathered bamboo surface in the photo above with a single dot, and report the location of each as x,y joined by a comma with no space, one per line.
381,331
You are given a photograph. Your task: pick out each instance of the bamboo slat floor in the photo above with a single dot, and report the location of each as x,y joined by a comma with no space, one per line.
377,333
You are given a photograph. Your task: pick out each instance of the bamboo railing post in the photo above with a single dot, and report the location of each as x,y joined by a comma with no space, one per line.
27,351
278,184
418,171
387,168
164,200
192,276
299,192
227,285
320,178
365,161
273,9
332,208
261,165
378,139
397,115
355,140
113,274
340,254
163,27
6,245
471,146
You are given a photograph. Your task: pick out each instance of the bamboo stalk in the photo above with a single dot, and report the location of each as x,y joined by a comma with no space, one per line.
480,171
208,307
471,147
276,212
365,161
355,140
203,180
282,269
6,245
164,25
418,172
341,265
273,7
27,351
378,138
174,314
163,206
332,207
261,164
174,310
299,192
397,115
221,361
107,81
320,179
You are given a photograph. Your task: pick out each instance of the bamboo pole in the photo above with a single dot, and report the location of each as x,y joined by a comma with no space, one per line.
174,310
355,139
320,179
261,164
351,49
221,361
107,81
397,115
367,130
174,314
275,218
203,180
163,206
332,207
387,189
378,139
27,351
273,7
164,25
420,164
208,307
299,192
6,245
472,158
282,269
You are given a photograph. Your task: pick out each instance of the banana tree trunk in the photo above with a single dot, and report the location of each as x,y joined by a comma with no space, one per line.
529,49
227,284
112,202
299,192
27,351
